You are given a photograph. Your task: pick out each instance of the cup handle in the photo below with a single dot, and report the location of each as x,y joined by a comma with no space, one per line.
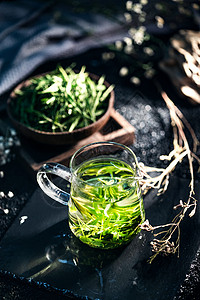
48,186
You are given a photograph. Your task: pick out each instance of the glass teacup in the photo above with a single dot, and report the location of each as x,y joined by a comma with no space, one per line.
105,201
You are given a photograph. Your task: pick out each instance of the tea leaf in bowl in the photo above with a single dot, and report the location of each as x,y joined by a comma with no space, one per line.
62,100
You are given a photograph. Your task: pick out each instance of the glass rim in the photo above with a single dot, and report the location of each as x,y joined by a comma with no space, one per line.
101,143
136,177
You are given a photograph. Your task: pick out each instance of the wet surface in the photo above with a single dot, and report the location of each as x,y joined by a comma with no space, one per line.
40,246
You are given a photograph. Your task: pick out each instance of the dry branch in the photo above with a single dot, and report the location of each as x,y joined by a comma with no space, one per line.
183,64
166,243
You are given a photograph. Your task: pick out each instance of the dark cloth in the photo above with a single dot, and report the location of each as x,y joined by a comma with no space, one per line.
34,32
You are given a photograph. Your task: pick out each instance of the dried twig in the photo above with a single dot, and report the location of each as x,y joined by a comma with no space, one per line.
165,244
182,64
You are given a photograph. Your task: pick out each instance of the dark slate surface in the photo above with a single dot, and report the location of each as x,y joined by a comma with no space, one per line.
42,248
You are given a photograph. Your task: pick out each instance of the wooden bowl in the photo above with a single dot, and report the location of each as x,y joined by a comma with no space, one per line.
59,138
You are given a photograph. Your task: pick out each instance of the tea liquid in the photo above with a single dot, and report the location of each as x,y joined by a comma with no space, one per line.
106,206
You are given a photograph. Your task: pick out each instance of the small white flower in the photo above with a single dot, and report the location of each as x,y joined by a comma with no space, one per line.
128,49
108,56
13,132
22,219
138,35
143,2
2,194
5,210
149,73
160,21
129,5
118,45
137,8
149,51
128,17
10,194
128,41
69,111
135,80
123,71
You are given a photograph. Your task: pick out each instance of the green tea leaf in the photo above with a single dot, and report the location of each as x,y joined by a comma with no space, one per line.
61,100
